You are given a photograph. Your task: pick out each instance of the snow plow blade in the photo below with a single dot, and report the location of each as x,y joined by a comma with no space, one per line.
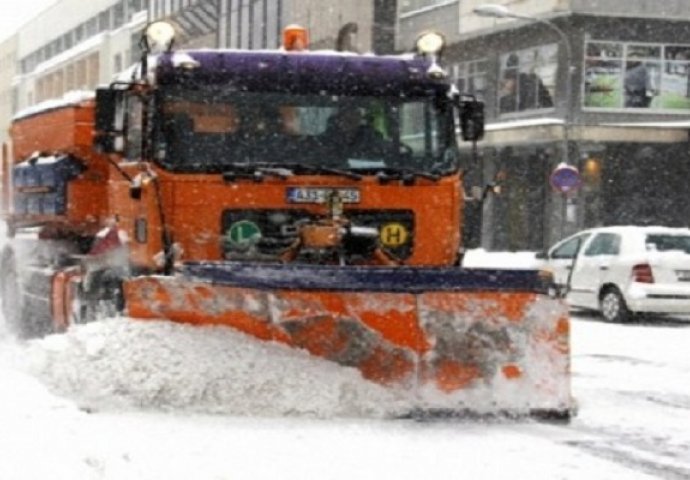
452,340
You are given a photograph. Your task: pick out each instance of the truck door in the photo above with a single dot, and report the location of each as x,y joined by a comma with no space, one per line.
591,269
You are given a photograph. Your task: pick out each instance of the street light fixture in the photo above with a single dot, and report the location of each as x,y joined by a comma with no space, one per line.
491,10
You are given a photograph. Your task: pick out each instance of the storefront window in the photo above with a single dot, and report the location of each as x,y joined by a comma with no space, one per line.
637,76
528,79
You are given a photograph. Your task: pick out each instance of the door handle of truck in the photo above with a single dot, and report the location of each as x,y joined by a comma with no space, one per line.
603,267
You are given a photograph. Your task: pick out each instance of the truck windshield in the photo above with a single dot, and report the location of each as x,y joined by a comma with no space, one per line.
209,131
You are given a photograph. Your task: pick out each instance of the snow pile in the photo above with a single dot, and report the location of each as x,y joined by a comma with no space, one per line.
119,363
631,381
480,258
494,341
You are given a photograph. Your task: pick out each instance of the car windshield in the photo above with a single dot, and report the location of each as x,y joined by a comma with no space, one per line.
210,130
666,242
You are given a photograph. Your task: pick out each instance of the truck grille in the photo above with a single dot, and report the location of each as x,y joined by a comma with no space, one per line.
279,228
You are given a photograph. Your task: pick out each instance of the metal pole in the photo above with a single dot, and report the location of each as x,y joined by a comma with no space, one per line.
568,104
564,212
568,78
501,11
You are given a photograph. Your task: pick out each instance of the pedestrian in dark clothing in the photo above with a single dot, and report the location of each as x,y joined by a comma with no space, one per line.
639,91
521,90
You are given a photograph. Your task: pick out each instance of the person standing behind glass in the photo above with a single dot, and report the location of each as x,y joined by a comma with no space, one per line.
639,90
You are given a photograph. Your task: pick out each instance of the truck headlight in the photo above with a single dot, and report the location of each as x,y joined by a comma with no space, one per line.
160,36
430,43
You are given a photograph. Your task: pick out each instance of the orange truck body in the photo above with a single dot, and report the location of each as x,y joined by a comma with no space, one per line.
194,202
429,327
68,130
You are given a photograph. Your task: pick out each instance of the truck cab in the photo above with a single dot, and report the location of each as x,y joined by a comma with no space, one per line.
270,137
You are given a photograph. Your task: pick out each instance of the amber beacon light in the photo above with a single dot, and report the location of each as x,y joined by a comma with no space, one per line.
295,38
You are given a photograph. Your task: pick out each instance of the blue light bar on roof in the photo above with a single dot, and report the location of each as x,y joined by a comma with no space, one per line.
303,72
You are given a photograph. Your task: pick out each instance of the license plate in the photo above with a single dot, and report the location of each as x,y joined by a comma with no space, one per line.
320,195
683,275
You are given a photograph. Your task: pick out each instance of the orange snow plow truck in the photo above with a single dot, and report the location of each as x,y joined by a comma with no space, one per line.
313,199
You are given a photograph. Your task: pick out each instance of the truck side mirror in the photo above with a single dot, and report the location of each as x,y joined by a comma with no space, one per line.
109,135
471,119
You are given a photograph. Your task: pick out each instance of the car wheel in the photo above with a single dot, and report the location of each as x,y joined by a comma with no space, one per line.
612,306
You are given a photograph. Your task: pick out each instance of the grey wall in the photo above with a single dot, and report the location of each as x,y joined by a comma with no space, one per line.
642,8
443,19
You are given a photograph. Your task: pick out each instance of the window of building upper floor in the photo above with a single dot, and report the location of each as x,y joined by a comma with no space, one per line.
471,77
638,77
527,79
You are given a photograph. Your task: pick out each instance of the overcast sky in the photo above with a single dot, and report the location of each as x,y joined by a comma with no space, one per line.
15,13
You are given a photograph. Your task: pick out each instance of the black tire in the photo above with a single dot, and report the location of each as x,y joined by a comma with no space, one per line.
21,321
104,298
612,306
12,296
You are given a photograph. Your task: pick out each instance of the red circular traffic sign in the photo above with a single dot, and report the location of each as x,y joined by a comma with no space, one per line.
565,178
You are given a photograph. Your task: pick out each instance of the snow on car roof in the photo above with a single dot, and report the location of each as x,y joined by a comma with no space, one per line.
636,231
640,228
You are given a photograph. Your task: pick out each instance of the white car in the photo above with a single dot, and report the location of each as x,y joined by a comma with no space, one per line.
623,270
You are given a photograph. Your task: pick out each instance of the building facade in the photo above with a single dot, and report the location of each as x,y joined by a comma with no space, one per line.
76,45
607,90
258,24
625,109
72,45
8,70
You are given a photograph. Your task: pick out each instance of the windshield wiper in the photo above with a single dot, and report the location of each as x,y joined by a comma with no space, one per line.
338,171
283,170
296,168
255,172
406,175
306,168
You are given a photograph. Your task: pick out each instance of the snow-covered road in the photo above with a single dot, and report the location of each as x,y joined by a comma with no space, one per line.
180,416
633,386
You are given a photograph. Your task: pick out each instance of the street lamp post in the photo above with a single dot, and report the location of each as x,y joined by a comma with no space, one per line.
500,11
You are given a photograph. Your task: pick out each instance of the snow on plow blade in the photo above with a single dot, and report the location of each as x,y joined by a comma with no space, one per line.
465,341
